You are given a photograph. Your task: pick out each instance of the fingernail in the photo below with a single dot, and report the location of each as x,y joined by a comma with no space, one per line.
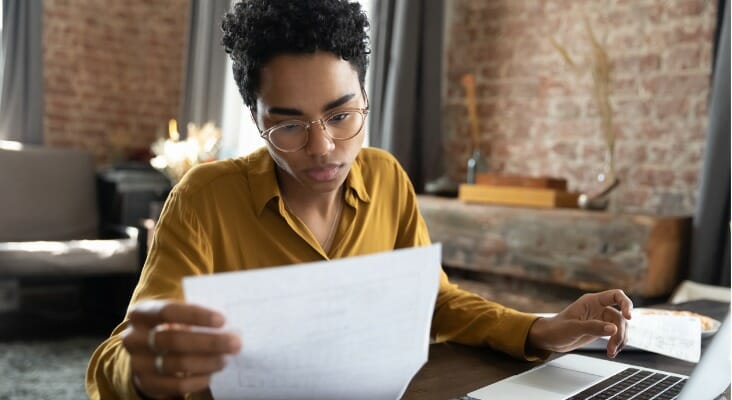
217,319
234,343
609,328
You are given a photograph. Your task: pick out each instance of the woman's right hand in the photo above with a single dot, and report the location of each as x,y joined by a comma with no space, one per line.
171,350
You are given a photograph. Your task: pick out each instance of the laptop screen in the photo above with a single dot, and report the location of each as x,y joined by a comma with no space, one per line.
712,375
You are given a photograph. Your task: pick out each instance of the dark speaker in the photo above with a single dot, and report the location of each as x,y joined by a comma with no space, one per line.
125,195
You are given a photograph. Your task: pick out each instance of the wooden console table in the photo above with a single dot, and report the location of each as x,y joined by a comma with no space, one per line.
586,250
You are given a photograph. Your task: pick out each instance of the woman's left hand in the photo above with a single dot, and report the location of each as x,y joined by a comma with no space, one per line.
582,322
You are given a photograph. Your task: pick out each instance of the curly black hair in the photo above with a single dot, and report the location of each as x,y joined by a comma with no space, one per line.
256,31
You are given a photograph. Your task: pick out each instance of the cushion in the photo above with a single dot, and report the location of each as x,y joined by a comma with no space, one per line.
47,194
68,258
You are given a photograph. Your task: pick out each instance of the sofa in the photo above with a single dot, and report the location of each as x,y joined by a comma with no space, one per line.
50,230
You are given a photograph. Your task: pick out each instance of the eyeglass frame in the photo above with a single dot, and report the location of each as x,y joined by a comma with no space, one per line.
308,124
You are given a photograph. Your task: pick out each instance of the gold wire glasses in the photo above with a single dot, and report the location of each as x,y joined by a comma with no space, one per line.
293,135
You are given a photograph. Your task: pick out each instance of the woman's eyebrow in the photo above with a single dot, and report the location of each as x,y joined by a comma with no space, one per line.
284,111
339,102
297,112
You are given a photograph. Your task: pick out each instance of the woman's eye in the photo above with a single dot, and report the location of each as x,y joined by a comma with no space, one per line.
291,127
339,117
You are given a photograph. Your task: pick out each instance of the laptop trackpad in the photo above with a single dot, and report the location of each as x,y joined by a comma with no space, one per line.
555,379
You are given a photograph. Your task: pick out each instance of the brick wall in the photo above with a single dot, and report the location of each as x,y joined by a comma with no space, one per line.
112,72
538,117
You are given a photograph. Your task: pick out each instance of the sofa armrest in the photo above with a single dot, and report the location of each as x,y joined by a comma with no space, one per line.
112,231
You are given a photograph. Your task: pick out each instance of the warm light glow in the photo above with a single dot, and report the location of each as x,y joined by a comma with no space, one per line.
173,129
8,145
174,157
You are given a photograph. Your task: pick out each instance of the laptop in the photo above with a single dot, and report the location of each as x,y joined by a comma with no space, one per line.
576,377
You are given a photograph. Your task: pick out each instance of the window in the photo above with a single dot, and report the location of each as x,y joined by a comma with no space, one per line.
239,134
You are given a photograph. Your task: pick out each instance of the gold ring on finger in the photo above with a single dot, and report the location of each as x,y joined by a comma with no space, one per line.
151,336
159,364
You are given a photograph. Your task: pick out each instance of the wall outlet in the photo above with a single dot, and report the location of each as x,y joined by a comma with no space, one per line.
9,295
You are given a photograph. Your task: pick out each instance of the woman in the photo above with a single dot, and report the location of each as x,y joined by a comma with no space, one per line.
312,194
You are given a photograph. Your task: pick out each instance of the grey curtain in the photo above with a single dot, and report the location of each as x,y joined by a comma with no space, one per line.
405,84
21,93
203,87
710,260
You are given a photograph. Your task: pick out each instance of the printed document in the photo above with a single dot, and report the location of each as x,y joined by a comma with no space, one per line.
670,335
353,328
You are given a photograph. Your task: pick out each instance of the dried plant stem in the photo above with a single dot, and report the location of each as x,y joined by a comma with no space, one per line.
601,88
601,92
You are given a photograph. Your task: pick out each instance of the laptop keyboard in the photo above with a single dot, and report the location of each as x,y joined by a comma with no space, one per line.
636,384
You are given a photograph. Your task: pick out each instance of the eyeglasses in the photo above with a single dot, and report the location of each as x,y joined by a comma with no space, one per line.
293,135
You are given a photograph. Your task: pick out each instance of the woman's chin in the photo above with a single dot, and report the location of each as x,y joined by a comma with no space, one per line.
324,186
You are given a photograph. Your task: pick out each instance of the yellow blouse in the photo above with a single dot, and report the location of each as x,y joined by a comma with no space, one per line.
228,215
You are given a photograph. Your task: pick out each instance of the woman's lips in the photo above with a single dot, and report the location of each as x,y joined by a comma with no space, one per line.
323,174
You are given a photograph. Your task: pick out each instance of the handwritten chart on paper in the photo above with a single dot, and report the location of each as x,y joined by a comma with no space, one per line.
354,328
673,336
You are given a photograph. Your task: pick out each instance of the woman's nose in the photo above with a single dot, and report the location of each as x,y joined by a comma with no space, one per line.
319,143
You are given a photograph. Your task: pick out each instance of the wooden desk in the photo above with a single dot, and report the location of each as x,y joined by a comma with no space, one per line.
454,370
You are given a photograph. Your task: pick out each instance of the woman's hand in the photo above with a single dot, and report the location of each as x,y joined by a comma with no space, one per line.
174,347
583,321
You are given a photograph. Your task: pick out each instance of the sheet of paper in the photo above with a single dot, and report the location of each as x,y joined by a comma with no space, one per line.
670,335
355,328
673,336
